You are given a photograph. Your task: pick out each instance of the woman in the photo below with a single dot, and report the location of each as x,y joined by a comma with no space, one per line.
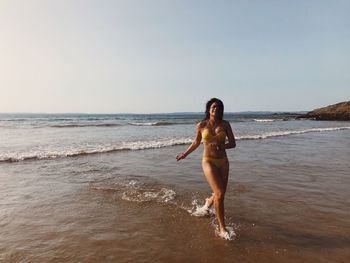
213,130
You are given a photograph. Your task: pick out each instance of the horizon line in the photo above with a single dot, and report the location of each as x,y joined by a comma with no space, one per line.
154,113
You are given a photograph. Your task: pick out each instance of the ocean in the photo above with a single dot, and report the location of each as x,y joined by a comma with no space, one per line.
107,188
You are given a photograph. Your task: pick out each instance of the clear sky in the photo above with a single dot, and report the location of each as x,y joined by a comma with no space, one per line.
149,56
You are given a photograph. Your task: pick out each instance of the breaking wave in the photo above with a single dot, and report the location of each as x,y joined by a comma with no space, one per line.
264,120
71,151
286,133
85,125
156,123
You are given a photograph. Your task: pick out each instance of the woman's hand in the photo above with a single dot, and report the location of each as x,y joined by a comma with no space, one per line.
180,156
196,142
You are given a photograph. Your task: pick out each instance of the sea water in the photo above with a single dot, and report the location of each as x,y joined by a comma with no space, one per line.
91,187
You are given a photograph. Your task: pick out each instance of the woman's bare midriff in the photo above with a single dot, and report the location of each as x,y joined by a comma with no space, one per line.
211,150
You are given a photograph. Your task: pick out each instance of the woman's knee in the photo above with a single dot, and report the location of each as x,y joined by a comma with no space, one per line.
219,196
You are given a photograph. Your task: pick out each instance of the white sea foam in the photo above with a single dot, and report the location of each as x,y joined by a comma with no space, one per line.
163,195
136,191
264,120
200,210
82,125
141,145
155,123
143,123
229,235
86,150
286,133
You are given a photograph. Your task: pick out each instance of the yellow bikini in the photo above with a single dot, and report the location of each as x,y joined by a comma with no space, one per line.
218,162
208,137
218,138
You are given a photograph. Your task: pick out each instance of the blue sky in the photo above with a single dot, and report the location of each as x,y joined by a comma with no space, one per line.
172,56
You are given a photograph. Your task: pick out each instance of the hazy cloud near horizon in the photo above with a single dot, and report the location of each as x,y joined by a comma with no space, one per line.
172,56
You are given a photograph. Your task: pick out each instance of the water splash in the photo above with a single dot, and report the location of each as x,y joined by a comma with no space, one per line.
229,234
200,210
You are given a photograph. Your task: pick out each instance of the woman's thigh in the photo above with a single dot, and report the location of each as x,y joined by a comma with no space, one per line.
213,176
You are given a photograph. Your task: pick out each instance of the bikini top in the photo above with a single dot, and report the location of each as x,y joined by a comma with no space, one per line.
208,137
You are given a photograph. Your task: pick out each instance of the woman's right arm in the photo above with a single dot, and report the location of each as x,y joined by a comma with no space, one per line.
196,142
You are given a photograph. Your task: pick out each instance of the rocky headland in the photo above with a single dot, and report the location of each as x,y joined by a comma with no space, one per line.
335,112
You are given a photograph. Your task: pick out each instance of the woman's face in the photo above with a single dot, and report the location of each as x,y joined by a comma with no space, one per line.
214,108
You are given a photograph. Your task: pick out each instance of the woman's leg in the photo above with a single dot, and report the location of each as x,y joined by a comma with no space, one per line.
224,170
217,184
209,201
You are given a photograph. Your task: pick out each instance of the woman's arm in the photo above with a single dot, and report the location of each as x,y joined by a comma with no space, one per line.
231,138
196,142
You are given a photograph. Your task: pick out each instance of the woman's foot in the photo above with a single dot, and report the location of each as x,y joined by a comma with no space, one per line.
226,233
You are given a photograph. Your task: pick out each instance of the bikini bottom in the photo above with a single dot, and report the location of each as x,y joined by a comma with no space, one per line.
218,162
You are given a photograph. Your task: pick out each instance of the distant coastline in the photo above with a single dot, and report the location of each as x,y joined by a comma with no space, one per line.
335,112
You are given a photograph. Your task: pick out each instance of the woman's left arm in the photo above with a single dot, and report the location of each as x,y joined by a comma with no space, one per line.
230,136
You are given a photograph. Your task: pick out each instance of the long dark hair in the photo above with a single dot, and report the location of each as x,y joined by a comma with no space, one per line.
220,109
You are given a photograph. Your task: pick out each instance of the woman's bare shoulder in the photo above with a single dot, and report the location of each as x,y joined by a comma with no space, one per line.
201,124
